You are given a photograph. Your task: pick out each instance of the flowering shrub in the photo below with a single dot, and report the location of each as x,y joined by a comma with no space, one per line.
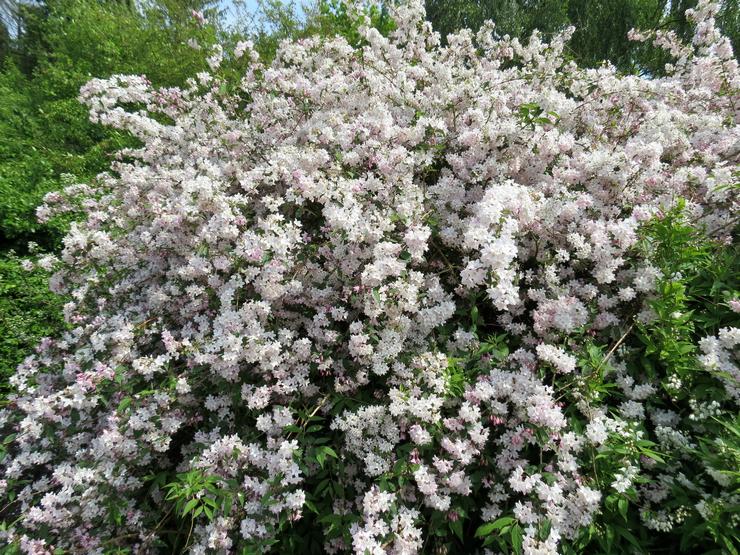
396,298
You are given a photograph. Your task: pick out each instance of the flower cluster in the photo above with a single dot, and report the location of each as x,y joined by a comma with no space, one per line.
366,286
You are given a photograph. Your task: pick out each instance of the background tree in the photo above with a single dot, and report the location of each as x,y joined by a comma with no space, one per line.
7,19
601,26
601,30
46,137
512,17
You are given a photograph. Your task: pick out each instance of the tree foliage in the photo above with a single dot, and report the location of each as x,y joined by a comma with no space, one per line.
601,26
44,131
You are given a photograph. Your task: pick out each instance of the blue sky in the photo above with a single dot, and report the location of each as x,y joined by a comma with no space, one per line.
247,5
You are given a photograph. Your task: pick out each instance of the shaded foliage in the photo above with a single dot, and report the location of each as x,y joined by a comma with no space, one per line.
28,312
601,26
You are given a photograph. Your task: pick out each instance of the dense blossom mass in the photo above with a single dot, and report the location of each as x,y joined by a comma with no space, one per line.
378,267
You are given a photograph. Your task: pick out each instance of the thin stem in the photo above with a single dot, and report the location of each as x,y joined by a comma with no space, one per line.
614,348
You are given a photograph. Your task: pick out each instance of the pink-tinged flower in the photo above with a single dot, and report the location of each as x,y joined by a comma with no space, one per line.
426,317
198,16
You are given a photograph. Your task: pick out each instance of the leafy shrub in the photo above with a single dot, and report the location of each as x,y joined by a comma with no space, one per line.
28,312
394,297
44,130
20,160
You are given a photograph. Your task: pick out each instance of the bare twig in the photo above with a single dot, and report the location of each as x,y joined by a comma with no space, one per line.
615,347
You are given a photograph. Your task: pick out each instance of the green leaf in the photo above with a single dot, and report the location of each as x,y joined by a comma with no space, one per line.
311,506
120,374
376,295
457,527
630,537
622,505
189,506
490,527
545,527
653,455
323,484
474,315
517,538
329,451
124,404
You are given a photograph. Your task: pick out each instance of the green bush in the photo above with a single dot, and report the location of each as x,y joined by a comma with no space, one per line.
44,130
28,312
